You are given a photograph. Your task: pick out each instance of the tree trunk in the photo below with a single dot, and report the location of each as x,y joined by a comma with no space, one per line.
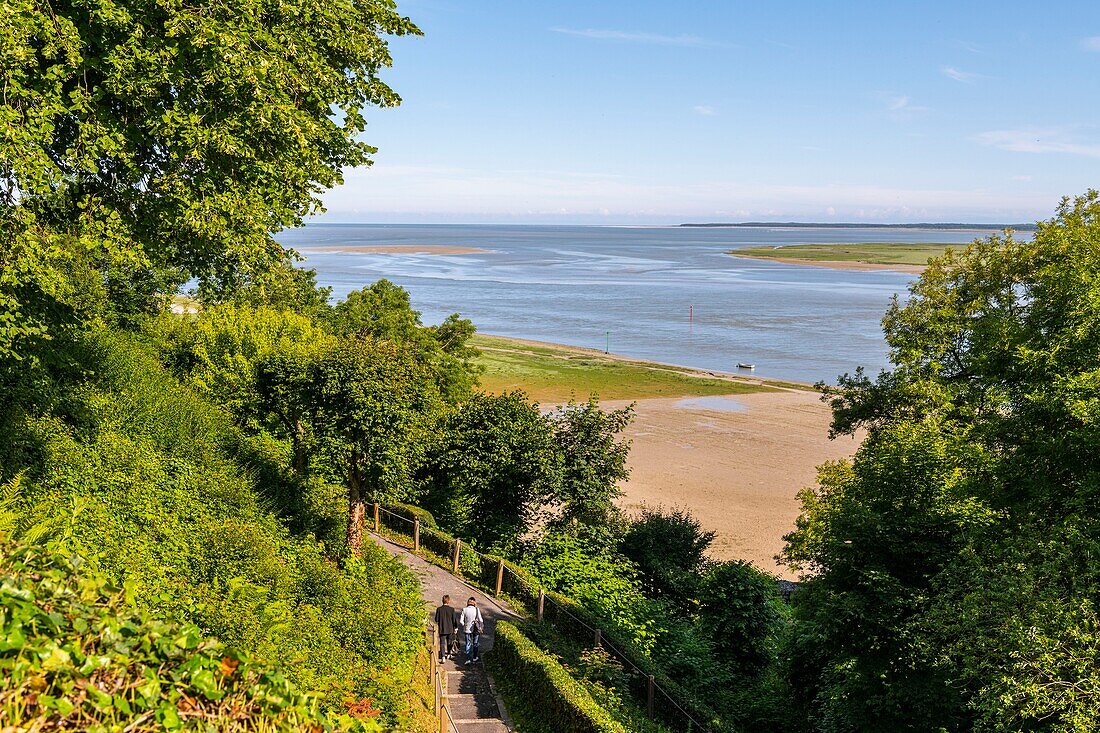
298,441
356,508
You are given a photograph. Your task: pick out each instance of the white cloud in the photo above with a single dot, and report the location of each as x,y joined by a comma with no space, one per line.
900,106
1091,44
1021,178
1040,140
704,109
636,37
966,77
897,103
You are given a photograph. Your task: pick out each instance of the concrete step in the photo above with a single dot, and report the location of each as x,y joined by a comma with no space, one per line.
473,707
481,726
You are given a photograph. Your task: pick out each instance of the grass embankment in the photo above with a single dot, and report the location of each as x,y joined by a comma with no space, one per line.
555,373
883,254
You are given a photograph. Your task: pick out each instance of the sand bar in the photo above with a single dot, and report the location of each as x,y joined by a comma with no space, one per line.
395,249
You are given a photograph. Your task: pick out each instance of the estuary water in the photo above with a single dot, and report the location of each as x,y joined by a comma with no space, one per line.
631,289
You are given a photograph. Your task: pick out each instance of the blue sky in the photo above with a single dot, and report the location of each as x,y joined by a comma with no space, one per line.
662,112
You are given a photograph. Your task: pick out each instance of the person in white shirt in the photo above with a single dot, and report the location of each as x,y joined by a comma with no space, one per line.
472,625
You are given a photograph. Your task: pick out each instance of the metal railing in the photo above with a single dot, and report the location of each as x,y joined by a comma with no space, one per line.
435,678
499,577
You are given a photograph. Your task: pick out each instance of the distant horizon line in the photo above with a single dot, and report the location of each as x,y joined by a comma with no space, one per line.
697,225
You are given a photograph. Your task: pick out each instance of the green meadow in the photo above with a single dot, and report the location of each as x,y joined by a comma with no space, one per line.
867,253
556,373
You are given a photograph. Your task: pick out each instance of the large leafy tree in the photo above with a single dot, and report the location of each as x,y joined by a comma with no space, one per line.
493,469
372,404
142,144
594,457
956,557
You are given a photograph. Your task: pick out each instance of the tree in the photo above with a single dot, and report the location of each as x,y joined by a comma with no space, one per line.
739,606
143,144
954,557
383,311
493,469
229,343
593,460
669,549
372,404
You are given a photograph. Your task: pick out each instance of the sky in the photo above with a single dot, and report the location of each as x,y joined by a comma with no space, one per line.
640,112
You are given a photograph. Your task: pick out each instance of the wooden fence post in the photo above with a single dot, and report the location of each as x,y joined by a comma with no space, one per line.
377,518
416,535
542,602
649,696
599,637
500,576
457,557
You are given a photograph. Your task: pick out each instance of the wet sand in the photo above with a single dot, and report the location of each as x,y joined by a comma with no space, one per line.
403,249
737,466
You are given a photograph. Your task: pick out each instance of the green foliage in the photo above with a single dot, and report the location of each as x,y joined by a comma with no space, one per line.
593,460
144,144
372,404
77,654
139,473
669,548
384,312
957,553
539,690
607,585
492,469
740,607
230,342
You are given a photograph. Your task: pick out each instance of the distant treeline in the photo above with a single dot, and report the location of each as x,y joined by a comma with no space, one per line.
855,225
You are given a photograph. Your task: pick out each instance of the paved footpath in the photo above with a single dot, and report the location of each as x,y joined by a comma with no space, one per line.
474,704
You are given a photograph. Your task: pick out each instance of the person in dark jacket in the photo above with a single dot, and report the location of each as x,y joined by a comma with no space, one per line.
445,624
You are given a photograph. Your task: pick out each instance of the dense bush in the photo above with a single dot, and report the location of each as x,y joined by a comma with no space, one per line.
545,696
137,470
77,654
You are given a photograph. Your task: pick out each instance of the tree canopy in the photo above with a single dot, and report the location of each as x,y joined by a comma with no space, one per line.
143,144
956,556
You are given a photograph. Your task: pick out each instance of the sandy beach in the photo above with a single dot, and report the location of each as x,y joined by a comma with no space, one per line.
735,461
737,471
395,249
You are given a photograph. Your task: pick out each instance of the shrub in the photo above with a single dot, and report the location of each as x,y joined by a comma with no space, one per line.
145,480
535,681
77,654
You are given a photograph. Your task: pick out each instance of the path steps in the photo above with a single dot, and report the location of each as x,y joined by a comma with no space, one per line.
471,697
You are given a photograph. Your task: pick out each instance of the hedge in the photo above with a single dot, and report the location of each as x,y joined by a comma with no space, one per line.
546,690
410,512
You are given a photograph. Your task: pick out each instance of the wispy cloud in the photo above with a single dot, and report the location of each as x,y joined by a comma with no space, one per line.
899,106
704,109
1091,44
636,37
1041,140
969,46
1021,178
966,77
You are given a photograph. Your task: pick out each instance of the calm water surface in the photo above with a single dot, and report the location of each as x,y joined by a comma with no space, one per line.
630,288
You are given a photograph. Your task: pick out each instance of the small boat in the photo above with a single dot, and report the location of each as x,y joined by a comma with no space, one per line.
745,365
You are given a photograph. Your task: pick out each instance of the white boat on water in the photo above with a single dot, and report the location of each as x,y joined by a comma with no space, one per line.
745,365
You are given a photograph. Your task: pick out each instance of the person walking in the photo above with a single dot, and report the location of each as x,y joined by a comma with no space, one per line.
472,627
445,618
